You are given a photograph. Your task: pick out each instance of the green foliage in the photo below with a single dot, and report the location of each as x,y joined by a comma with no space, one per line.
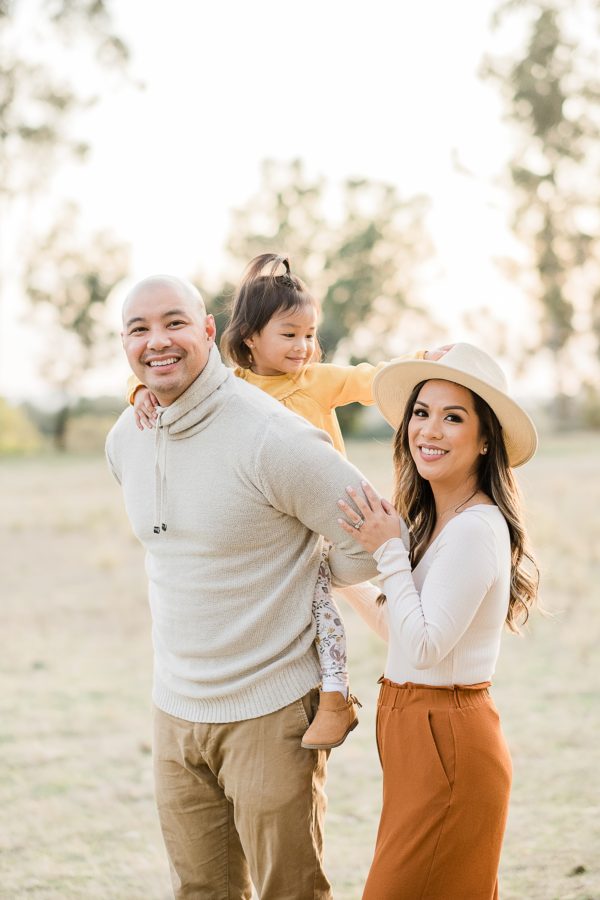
552,96
18,435
360,263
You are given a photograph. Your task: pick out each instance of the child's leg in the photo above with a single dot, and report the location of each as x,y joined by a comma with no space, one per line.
336,716
331,637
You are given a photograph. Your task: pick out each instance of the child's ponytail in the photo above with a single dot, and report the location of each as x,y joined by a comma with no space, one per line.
262,293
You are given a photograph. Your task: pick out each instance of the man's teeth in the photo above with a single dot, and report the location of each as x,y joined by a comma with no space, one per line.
429,451
163,362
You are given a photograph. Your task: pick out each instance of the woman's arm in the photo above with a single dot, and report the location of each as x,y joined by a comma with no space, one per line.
363,599
427,625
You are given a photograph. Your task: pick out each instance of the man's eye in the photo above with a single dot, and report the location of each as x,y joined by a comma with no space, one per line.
176,322
137,330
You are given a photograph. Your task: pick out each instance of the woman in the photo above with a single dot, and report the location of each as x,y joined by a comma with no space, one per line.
462,570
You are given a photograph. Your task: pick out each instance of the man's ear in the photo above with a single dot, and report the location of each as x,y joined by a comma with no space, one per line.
122,338
210,326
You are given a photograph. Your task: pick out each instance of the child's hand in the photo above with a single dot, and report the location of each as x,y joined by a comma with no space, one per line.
380,521
438,353
144,408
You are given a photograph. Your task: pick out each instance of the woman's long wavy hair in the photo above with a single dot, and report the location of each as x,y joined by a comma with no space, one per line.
413,498
262,294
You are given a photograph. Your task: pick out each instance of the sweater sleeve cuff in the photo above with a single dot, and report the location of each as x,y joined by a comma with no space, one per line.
392,557
132,391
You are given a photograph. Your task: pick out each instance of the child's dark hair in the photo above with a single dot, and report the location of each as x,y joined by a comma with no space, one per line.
261,295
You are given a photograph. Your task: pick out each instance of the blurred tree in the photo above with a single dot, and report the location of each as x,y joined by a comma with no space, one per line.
358,250
39,39
42,44
69,280
552,95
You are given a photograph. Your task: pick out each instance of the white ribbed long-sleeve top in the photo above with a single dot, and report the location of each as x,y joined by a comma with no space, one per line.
443,620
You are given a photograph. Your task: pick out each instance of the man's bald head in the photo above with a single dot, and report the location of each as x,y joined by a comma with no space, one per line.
158,284
167,335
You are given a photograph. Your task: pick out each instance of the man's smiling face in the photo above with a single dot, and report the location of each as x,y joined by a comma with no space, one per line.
167,335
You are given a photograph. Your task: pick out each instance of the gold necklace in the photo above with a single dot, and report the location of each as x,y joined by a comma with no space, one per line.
457,508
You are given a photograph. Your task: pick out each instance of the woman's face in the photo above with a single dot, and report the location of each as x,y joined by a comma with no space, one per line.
444,433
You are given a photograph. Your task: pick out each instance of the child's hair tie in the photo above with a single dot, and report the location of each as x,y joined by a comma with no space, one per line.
287,277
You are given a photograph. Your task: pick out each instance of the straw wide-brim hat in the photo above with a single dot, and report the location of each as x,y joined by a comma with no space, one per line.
472,368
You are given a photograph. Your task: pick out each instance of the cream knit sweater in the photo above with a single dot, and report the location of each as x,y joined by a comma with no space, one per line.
229,496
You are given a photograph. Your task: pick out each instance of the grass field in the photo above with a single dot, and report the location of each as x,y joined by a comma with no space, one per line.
78,819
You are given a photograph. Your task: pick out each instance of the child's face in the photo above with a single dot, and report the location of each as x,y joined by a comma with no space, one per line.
286,343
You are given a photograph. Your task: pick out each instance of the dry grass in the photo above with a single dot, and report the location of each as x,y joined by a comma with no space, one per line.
75,781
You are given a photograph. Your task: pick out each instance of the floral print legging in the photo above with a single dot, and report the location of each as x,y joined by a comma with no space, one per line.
330,639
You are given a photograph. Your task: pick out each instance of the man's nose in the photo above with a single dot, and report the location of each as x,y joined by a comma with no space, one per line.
158,339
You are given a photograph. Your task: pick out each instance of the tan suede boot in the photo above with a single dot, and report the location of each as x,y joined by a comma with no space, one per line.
336,717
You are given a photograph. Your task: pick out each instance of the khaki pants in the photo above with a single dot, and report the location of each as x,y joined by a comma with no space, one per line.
242,802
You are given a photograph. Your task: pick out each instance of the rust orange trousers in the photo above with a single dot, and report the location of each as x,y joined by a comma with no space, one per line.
446,785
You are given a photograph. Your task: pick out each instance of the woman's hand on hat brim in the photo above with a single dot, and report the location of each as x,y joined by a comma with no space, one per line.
380,520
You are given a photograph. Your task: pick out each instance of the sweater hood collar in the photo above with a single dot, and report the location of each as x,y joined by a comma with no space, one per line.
195,408
189,414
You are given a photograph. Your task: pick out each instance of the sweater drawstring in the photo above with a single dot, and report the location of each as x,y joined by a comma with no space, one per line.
160,477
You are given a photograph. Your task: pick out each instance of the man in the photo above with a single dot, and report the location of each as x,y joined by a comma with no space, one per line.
229,496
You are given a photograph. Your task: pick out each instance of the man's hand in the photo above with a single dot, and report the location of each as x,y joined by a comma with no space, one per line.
438,353
144,408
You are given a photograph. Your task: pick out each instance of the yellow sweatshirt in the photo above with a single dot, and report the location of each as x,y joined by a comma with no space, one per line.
315,392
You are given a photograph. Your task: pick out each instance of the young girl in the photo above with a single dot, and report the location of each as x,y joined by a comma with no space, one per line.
271,339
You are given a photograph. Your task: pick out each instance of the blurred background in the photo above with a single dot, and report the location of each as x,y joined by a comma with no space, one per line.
433,171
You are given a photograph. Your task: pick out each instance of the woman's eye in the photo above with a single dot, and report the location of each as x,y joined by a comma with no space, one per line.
454,418
420,413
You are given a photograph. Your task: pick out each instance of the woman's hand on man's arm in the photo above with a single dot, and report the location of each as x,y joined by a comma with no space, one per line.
376,522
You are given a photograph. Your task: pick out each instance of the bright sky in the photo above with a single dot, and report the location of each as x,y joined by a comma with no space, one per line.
384,90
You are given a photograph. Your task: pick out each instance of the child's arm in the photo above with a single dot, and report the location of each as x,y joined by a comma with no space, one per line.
364,599
144,408
354,384
144,403
133,384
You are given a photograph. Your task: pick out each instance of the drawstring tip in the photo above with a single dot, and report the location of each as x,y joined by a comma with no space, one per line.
164,527
156,529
